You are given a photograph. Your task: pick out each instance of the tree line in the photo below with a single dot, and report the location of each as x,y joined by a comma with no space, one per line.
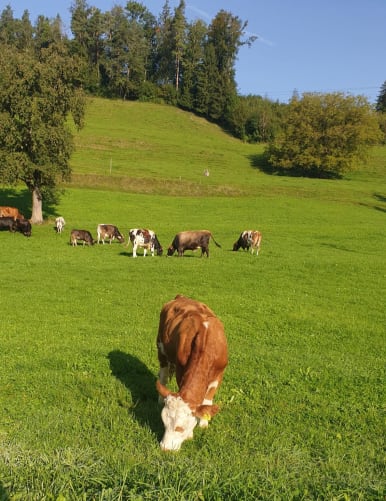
128,53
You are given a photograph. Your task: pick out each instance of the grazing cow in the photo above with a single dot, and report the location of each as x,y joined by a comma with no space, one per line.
248,239
81,235
243,241
255,241
108,231
191,342
147,239
191,240
7,223
59,224
24,226
11,212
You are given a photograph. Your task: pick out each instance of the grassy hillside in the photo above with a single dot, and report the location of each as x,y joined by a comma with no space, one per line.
302,402
148,148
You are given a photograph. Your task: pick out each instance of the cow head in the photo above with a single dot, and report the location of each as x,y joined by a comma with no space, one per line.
171,250
180,419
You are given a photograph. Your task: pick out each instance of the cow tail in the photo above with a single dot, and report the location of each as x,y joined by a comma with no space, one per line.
218,245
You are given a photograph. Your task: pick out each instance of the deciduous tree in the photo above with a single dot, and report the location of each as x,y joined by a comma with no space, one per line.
325,134
38,93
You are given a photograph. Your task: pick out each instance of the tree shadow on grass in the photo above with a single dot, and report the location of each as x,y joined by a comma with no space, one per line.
140,382
22,199
260,161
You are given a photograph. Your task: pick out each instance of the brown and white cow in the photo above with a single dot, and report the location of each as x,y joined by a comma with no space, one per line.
243,241
109,231
255,241
248,239
11,212
147,239
81,235
191,240
191,342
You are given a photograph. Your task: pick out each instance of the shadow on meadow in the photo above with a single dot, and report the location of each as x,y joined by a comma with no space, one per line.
140,382
22,199
3,493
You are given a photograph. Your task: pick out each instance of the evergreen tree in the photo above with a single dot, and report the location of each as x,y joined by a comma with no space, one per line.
381,100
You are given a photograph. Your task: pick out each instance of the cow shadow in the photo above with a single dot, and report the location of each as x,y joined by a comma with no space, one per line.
4,496
140,382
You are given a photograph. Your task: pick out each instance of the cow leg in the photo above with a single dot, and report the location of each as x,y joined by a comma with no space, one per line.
144,252
208,400
135,250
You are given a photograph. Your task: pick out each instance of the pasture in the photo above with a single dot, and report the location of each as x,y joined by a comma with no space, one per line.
303,397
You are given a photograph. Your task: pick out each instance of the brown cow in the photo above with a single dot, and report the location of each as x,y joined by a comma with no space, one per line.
81,235
11,212
192,342
108,231
191,240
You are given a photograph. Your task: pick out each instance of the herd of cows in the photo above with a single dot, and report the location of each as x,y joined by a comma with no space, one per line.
148,240
12,220
191,342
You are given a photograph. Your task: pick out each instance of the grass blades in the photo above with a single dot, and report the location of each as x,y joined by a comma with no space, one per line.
302,402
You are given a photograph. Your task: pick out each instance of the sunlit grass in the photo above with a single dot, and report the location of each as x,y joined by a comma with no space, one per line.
302,400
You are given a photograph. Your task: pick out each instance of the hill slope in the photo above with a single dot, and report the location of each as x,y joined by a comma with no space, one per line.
159,149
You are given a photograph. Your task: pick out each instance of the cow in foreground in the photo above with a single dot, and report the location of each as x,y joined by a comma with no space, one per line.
81,236
11,212
109,231
191,240
146,239
59,224
248,239
191,342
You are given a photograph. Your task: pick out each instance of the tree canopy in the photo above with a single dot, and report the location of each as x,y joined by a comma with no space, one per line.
39,90
324,134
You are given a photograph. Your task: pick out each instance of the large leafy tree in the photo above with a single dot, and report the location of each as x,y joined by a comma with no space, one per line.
324,134
38,92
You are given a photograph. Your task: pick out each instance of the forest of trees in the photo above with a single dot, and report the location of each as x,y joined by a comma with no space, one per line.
129,53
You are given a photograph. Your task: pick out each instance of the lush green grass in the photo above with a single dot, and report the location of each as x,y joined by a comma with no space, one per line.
303,396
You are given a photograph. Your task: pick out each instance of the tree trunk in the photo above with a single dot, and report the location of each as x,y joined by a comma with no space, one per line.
37,207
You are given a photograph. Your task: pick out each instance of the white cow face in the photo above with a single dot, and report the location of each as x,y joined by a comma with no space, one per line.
179,423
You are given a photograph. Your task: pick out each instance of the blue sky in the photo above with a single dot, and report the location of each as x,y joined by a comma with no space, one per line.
303,45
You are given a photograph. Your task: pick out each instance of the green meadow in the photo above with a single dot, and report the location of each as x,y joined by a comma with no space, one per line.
303,398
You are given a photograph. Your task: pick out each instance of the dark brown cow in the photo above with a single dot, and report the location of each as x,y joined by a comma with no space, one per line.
192,342
191,240
243,241
7,223
24,226
81,235
108,231
11,212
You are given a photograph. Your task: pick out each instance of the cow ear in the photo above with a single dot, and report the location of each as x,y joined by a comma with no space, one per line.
206,411
162,390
